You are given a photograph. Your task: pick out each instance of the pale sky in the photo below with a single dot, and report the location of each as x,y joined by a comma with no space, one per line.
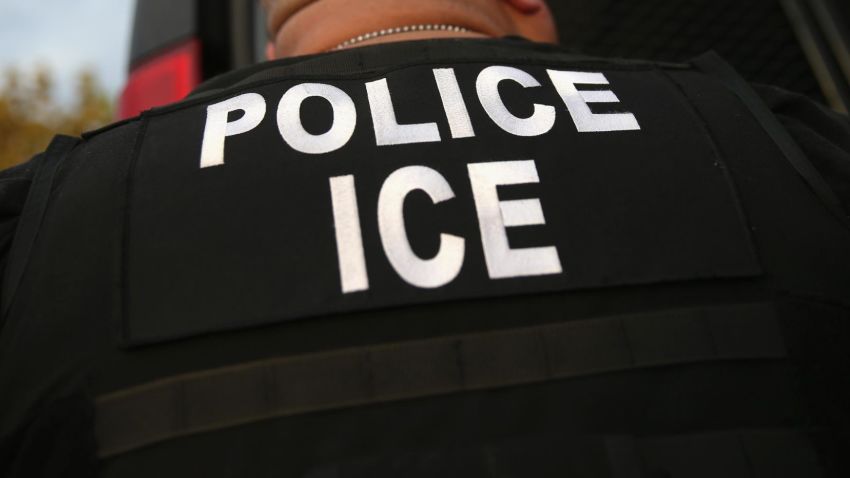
67,36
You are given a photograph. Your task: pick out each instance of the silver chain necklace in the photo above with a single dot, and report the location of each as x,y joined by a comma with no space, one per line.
405,29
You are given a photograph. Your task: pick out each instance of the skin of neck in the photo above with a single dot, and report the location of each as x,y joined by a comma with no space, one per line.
302,27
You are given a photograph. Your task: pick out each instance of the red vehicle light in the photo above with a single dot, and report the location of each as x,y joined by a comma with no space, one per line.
163,79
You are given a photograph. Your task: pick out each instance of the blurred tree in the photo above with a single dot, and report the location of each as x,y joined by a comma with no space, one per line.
30,114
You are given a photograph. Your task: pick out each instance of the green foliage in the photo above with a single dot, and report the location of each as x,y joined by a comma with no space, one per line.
30,114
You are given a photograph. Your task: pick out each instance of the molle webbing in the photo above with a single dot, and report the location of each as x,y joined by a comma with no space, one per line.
215,399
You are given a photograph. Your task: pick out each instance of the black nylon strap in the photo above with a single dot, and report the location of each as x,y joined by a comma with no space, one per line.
32,216
215,399
711,63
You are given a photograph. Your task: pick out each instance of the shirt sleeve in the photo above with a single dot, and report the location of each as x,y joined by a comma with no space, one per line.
821,133
14,187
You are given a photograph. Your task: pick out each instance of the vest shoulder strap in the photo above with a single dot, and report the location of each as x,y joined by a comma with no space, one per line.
32,216
712,64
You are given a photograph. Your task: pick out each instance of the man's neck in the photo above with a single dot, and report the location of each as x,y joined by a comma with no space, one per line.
316,26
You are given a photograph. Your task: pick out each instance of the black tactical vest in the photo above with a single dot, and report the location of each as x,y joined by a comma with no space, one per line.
431,259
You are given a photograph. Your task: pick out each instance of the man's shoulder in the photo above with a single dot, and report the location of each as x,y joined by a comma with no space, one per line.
822,134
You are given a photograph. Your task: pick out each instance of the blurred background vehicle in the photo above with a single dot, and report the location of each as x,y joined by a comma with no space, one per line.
800,45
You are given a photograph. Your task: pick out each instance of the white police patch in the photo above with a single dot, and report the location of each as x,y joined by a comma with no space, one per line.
430,183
